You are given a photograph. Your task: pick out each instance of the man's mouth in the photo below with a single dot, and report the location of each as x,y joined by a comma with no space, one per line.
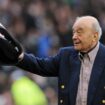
76,43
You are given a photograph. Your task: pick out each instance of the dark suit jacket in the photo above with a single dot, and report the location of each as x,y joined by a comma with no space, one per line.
66,66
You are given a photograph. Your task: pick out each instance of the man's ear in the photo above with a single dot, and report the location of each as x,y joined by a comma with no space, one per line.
96,36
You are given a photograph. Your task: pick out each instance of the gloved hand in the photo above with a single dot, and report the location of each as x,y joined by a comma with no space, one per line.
11,51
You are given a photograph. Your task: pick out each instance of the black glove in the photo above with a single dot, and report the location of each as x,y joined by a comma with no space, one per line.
10,49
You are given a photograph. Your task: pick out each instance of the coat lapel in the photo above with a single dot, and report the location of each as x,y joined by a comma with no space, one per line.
74,77
96,73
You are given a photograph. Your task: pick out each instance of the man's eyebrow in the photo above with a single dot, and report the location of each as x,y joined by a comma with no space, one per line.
78,29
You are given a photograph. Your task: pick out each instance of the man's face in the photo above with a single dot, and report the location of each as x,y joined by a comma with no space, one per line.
83,36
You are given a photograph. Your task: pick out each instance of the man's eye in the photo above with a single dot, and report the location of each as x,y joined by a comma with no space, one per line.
79,32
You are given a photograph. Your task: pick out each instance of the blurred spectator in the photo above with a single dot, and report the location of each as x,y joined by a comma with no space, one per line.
64,19
30,42
25,91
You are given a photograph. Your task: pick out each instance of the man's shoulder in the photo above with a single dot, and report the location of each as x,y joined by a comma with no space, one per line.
69,49
102,45
102,48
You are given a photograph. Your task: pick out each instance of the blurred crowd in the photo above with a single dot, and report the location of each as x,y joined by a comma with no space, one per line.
42,27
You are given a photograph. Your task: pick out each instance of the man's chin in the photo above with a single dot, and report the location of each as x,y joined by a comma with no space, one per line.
77,48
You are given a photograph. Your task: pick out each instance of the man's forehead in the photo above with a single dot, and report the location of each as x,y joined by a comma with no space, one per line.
77,26
83,22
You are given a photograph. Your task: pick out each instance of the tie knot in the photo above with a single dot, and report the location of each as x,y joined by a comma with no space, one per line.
81,55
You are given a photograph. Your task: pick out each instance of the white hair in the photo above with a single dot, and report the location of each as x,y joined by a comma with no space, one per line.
96,26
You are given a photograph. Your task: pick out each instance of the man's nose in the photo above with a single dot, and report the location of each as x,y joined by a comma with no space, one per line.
74,36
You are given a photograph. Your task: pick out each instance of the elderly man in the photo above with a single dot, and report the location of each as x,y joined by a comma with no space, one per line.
80,69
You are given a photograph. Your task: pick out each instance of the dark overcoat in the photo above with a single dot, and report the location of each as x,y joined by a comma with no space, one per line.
66,66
